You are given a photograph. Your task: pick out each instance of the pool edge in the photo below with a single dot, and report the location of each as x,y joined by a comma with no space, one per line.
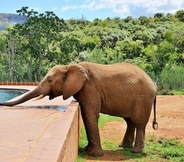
63,144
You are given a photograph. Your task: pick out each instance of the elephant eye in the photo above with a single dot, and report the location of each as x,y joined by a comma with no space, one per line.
49,79
64,76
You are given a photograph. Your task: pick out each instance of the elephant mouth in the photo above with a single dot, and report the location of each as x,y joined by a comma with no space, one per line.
52,95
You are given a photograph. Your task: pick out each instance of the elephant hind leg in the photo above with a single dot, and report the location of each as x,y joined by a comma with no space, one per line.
128,139
139,141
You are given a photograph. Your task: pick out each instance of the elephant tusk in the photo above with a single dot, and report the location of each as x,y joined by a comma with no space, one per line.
39,97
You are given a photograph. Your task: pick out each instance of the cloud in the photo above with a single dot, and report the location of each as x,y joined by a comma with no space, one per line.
89,6
34,8
65,8
125,8
54,9
122,10
164,6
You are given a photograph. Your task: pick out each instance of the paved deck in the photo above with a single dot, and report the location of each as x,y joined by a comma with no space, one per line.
28,133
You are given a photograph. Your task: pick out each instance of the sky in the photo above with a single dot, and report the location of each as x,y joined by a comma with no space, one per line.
91,9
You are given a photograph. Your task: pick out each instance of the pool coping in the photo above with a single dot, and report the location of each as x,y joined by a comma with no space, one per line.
20,83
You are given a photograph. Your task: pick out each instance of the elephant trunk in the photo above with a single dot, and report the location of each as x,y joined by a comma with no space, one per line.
31,94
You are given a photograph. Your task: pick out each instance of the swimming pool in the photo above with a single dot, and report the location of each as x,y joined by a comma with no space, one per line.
9,93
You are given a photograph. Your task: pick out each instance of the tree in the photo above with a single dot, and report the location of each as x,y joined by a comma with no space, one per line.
180,15
159,15
69,44
144,20
97,55
41,32
4,65
88,43
146,35
163,54
12,49
97,22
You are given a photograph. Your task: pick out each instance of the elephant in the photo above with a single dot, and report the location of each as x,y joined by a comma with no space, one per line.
119,89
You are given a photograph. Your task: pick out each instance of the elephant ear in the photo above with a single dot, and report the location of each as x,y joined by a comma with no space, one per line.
74,80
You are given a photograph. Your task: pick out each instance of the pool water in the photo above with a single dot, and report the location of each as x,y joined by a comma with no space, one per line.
10,93
7,94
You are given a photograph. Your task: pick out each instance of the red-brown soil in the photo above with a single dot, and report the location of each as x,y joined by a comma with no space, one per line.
170,118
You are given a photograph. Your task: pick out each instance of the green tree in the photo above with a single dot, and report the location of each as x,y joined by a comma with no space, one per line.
97,56
12,56
88,43
159,15
144,20
3,57
180,15
41,34
146,35
70,44
163,54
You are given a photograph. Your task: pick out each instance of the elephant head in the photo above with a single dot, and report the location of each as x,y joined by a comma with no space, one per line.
60,80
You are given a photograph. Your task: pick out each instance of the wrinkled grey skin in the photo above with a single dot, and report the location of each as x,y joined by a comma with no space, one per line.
120,89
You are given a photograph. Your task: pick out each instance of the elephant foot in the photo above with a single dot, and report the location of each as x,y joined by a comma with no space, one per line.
93,151
125,145
137,150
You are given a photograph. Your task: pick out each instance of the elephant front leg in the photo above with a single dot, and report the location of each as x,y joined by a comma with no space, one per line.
91,125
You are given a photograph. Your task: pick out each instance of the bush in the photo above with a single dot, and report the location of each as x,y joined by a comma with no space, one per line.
4,75
171,79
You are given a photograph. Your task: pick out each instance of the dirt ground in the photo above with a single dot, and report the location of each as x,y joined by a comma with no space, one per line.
170,118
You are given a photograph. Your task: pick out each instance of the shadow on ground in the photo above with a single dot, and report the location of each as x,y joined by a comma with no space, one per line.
112,155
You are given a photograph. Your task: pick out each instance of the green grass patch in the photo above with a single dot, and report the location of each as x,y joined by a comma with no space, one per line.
156,149
168,149
107,118
177,92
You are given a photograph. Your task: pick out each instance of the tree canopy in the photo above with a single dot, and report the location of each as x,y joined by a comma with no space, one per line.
155,44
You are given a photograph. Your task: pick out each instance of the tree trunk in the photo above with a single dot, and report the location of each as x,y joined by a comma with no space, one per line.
11,56
30,78
39,66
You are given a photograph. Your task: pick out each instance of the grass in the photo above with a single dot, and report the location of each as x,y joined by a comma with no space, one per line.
177,92
171,92
107,118
160,149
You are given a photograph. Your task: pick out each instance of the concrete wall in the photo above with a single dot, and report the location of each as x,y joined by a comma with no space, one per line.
63,142
69,151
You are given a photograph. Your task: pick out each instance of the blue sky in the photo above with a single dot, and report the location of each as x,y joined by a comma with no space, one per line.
91,9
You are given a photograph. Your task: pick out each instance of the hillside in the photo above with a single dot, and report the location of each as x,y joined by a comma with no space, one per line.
10,20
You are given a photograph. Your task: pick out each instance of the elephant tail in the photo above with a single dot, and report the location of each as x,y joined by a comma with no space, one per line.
154,124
